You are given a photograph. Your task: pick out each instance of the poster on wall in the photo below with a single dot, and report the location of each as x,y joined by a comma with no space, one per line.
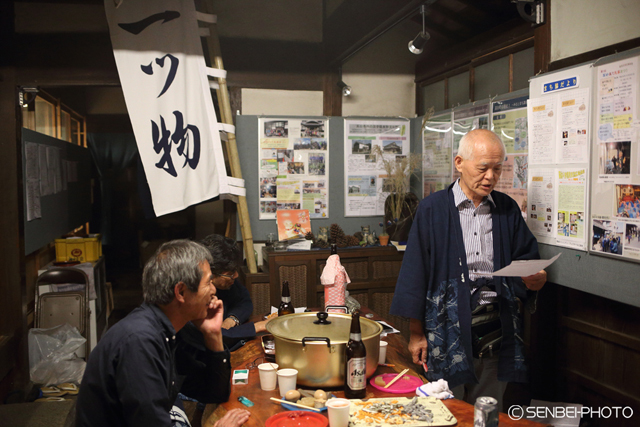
368,144
558,206
465,120
437,136
573,127
542,203
294,166
571,193
541,114
509,122
616,97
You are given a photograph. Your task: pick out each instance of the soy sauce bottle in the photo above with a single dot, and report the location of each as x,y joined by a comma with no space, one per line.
355,380
285,301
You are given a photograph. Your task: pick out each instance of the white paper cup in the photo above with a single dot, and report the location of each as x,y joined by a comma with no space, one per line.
287,379
268,376
338,412
382,356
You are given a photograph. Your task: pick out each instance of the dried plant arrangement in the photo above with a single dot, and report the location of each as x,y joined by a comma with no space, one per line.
399,170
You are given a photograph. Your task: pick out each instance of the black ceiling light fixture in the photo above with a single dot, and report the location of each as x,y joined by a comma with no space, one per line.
531,10
346,89
417,44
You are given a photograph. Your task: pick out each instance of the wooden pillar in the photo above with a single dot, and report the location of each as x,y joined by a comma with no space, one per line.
332,94
542,43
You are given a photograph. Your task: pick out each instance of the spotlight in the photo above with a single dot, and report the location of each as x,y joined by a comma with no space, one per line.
346,89
417,44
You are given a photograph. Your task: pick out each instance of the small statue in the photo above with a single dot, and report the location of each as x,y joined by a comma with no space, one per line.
366,232
322,239
372,239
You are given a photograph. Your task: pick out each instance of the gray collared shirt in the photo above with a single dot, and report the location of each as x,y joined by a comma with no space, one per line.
477,232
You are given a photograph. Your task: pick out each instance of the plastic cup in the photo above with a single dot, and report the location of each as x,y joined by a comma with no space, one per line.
287,379
268,376
338,412
382,355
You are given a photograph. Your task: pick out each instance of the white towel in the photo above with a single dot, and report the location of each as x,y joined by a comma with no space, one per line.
438,389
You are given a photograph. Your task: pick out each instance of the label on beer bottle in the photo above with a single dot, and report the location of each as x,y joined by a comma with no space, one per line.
356,373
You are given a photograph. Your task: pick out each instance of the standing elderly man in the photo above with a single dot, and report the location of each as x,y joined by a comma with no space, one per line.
171,343
465,324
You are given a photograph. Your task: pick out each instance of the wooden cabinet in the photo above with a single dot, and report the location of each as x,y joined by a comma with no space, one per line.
373,272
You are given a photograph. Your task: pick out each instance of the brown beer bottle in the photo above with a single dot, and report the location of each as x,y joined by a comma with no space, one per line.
285,301
355,381
334,249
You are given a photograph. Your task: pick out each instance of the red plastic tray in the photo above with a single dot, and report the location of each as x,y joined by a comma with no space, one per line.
297,418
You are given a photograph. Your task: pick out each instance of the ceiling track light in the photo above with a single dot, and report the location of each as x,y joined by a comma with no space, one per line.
346,89
416,46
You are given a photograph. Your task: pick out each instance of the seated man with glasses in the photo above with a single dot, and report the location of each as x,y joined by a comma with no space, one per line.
227,259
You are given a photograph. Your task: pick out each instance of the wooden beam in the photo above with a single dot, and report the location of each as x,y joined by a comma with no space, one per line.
594,54
357,23
542,49
331,94
450,57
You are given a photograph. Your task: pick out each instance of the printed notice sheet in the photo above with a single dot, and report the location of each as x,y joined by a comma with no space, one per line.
294,166
541,202
437,136
32,175
542,115
573,127
571,197
365,176
464,121
616,97
509,122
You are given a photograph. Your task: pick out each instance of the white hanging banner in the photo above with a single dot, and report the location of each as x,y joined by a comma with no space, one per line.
163,75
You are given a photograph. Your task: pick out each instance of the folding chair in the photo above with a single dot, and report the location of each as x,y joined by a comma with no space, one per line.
57,308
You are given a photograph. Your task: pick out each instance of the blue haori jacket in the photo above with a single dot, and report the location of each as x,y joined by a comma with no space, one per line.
433,286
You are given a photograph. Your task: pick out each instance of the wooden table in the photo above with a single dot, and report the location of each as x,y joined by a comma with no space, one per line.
397,354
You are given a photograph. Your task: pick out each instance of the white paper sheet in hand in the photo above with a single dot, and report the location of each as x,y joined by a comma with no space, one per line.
525,268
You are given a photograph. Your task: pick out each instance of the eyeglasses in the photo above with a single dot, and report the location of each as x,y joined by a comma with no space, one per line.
228,276
255,363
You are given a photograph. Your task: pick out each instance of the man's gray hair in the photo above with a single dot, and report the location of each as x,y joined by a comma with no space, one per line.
175,261
468,142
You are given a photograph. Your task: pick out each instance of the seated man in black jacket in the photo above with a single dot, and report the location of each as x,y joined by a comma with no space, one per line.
227,259
171,343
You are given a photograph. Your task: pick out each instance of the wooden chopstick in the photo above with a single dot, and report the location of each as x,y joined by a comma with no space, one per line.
396,378
295,404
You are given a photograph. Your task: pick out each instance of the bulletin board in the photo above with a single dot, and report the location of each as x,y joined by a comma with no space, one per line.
294,165
56,186
559,113
615,186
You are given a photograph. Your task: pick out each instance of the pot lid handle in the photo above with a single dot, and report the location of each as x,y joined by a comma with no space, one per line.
322,318
325,339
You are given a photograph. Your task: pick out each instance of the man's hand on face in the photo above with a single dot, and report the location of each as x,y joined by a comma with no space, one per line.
536,281
233,418
212,324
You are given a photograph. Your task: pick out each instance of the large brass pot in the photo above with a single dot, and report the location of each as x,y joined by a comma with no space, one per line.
317,350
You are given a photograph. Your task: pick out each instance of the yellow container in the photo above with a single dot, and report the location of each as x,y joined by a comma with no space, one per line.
79,249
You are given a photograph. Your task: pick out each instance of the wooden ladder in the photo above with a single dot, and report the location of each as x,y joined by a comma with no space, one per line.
208,30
